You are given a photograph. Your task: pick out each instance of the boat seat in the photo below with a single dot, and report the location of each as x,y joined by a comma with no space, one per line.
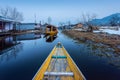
59,46
58,73
59,57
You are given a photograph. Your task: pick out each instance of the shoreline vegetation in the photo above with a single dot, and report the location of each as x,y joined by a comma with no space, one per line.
111,40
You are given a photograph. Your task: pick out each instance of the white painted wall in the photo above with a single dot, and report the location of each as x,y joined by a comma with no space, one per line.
8,26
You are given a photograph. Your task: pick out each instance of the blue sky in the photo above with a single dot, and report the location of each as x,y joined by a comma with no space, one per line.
62,10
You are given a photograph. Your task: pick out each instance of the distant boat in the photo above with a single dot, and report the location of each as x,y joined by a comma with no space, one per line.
51,30
59,66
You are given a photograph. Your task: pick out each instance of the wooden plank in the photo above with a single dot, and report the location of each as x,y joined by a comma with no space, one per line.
59,57
58,74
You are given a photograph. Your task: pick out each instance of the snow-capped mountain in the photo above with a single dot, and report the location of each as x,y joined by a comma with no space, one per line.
112,20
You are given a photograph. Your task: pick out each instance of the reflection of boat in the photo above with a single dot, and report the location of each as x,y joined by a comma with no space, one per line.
50,38
51,30
59,66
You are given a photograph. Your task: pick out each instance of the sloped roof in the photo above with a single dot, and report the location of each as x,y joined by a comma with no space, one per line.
6,19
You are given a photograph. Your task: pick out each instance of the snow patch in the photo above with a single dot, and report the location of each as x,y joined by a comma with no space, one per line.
109,31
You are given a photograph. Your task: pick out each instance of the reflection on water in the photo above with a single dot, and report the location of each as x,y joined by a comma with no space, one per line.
30,36
9,47
7,42
22,55
102,51
50,38
11,52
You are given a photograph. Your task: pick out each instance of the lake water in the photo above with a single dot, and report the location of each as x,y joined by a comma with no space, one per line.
21,56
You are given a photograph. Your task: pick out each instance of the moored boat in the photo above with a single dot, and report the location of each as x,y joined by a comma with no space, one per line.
59,66
51,30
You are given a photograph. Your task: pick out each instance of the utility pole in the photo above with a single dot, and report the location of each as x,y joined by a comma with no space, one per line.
35,19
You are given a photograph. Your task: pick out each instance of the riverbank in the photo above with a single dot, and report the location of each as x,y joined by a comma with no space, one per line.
20,32
108,39
25,32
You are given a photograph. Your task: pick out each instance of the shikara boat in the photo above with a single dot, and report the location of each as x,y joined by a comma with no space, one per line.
59,66
51,30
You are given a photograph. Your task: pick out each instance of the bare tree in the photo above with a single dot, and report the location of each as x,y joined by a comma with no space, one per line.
12,13
43,22
15,15
78,20
49,20
84,18
61,24
69,24
87,18
4,11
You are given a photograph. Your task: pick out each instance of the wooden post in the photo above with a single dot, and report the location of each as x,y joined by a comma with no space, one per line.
51,29
9,27
2,26
19,27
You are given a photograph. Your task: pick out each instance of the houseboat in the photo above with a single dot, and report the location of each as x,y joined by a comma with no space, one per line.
51,30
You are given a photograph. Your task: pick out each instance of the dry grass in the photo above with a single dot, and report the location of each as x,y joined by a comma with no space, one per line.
111,40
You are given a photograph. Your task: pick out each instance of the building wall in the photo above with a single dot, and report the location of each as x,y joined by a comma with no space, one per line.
6,26
1,26
79,25
25,27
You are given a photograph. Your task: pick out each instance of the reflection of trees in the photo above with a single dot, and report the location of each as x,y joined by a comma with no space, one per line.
102,51
12,52
115,61
106,52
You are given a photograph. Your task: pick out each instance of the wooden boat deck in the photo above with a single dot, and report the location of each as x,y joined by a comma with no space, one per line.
59,66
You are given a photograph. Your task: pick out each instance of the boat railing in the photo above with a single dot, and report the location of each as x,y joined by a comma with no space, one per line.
77,73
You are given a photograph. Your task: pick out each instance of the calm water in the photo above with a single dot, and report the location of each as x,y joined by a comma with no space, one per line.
21,56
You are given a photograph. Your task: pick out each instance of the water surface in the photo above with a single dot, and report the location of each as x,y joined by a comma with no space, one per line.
21,56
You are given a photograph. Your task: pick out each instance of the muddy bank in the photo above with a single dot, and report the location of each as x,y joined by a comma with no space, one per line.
108,39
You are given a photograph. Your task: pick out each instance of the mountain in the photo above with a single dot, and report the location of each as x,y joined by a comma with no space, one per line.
112,20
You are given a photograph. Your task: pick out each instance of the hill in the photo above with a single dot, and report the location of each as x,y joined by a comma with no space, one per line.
112,20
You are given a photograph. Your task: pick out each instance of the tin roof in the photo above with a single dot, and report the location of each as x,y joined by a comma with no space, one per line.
6,19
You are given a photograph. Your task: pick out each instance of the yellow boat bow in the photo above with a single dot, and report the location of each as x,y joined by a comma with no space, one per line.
59,66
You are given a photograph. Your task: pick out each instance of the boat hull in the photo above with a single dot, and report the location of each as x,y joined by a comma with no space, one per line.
59,65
